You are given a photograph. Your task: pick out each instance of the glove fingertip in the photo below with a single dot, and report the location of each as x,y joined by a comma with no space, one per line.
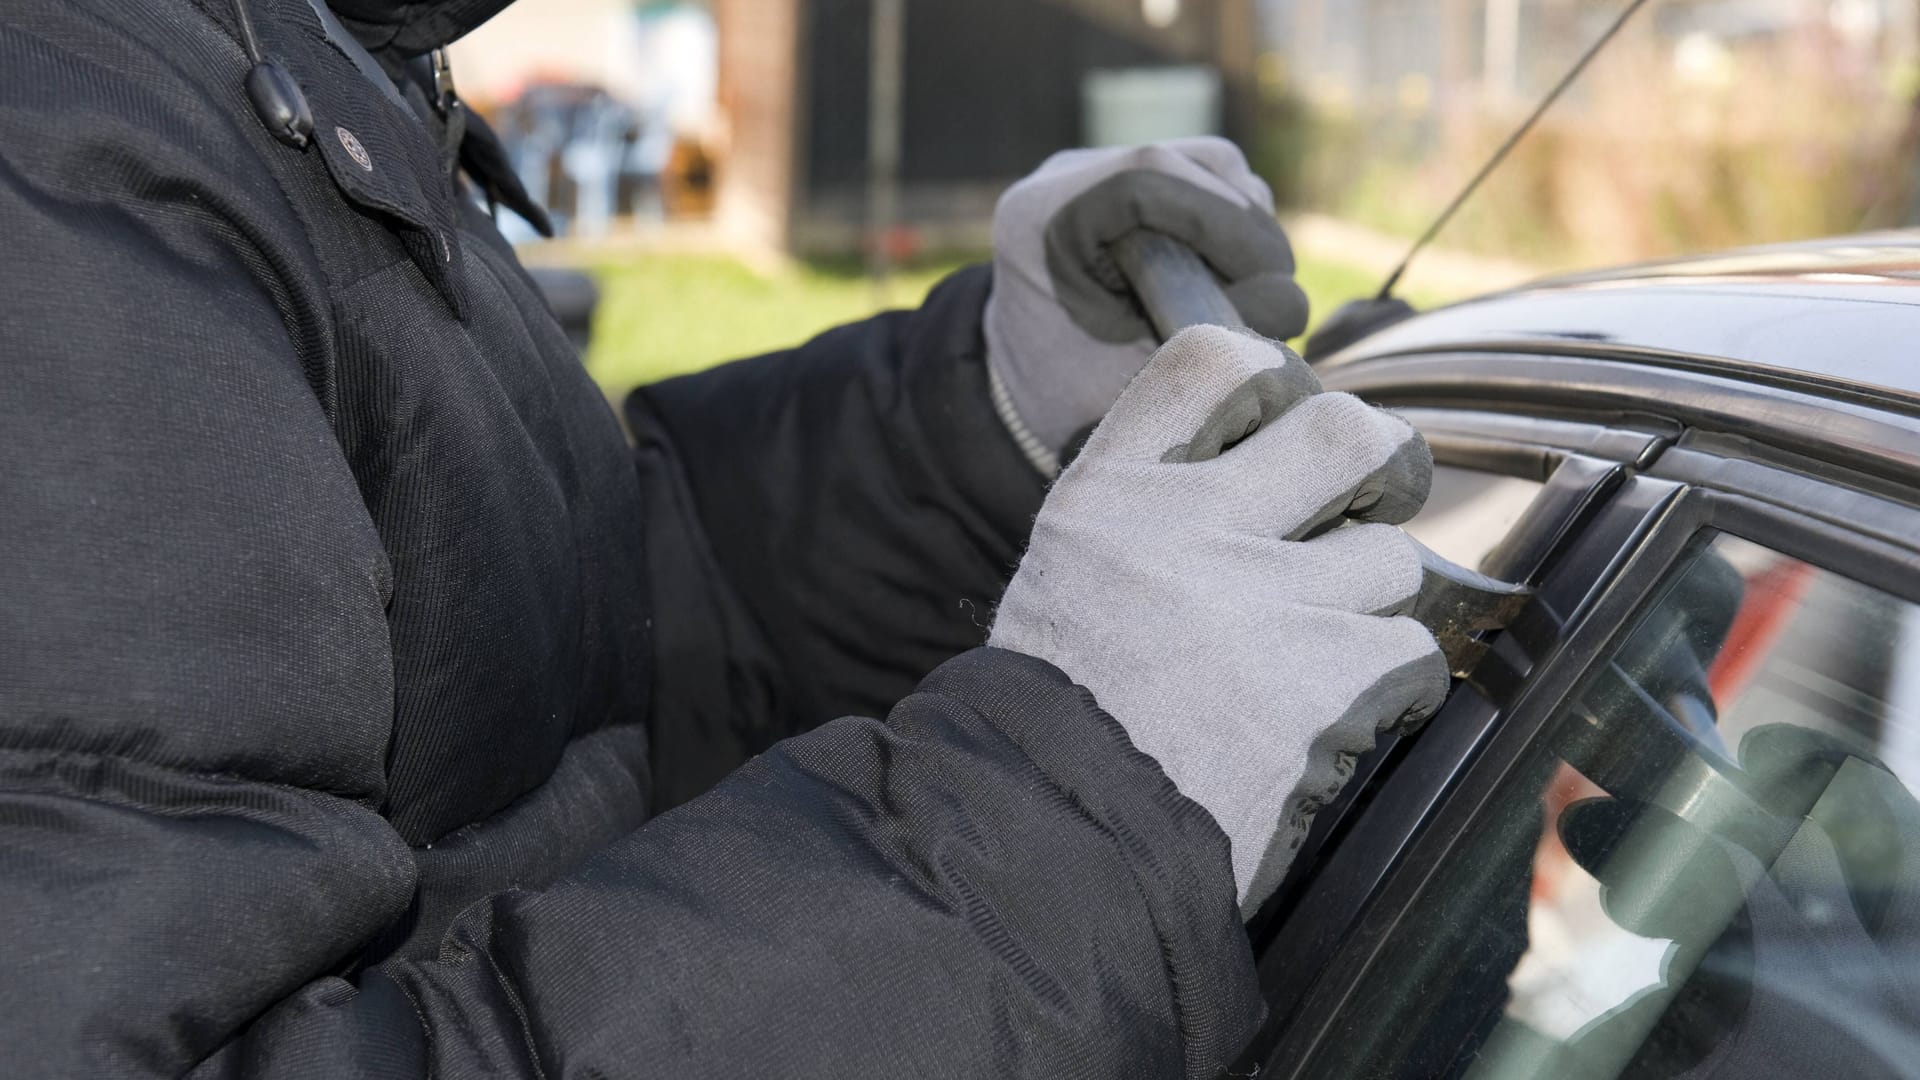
1272,303
1429,682
1252,381
1401,485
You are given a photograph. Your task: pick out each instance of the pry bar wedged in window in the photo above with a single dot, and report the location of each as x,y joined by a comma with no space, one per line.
1177,290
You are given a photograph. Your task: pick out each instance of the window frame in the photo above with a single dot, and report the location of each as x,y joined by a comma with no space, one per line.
1583,467
1840,529
1648,429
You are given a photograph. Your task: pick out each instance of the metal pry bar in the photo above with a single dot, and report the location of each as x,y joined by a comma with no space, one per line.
1456,604
1173,285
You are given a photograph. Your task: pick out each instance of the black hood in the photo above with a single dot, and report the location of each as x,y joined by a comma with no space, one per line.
412,27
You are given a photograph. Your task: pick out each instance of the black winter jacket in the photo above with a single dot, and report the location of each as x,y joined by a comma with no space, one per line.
346,652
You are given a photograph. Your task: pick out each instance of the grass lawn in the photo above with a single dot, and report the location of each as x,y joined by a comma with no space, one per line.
669,314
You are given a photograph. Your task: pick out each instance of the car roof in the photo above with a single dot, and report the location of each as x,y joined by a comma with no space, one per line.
1841,312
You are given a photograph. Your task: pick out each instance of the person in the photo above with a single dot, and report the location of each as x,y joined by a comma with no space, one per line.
372,707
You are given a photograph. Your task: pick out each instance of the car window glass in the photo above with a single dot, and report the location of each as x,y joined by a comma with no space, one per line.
1469,512
1707,864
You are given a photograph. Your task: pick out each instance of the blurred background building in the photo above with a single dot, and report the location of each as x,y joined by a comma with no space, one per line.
776,97
749,156
987,89
608,107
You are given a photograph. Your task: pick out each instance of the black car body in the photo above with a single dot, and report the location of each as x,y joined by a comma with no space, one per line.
1711,470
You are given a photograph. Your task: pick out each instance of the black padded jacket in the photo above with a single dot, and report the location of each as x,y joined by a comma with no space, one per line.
350,655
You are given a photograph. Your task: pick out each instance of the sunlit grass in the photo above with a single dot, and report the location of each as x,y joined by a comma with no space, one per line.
666,315
671,314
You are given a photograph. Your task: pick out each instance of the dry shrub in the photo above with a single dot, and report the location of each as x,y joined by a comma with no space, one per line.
1800,138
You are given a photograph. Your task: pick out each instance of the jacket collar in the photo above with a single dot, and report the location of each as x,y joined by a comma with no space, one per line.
407,28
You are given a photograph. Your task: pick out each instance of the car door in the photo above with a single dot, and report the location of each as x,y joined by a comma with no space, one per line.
1666,830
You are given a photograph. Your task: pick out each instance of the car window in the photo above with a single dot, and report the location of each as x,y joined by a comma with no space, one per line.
1469,512
1706,864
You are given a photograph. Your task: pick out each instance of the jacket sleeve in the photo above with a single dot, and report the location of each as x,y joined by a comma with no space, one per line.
825,526
990,883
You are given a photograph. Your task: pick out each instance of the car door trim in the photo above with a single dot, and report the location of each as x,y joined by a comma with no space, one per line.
1531,447
1812,383
1614,393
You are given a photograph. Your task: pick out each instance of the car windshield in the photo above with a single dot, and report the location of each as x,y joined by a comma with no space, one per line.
1707,864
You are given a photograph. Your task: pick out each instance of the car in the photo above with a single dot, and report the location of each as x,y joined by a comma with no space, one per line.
1665,825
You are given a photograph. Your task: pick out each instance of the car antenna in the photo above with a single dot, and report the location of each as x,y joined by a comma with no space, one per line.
1500,155
1358,319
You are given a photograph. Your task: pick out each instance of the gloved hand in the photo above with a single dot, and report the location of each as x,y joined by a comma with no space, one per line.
1183,568
1064,333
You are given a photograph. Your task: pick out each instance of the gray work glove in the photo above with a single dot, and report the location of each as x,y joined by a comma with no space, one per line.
1185,569
1064,333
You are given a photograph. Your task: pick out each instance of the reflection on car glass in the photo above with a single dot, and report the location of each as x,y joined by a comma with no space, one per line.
1469,512
1708,864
